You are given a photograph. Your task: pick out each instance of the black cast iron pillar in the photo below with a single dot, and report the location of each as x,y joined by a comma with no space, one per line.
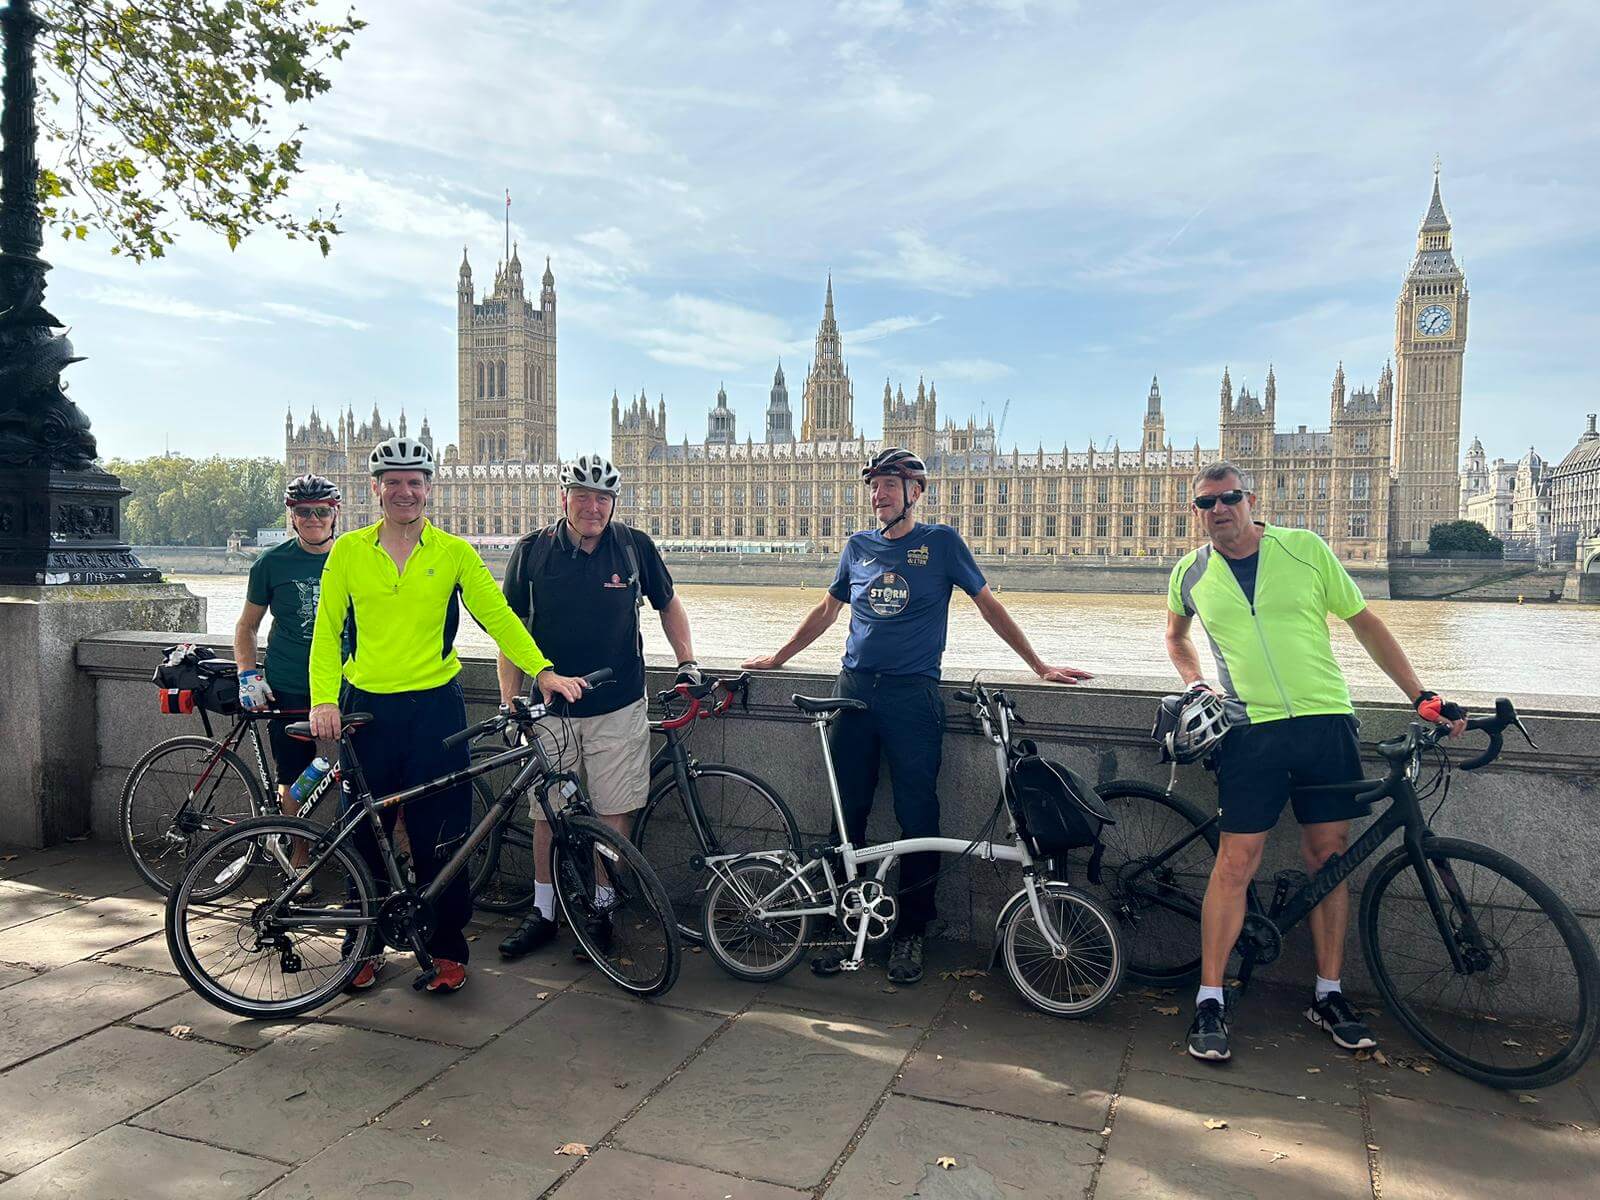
60,514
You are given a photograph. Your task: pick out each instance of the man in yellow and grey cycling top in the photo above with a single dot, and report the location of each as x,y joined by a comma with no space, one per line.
1263,594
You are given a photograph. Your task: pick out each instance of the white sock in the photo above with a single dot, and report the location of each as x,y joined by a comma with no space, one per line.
1209,993
544,899
603,896
1324,986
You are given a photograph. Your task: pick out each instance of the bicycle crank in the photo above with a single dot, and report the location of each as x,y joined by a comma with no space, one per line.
402,916
867,902
1261,938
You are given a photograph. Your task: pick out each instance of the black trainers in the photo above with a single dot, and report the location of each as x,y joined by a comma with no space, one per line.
1343,1023
600,933
1208,1035
829,962
538,930
905,959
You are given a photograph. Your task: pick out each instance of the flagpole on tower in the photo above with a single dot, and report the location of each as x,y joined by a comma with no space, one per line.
508,225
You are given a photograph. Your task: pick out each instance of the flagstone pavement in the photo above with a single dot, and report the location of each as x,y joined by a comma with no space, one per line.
117,1082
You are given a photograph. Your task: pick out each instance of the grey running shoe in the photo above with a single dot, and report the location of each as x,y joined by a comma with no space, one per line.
1208,1036
905,959
1343,1023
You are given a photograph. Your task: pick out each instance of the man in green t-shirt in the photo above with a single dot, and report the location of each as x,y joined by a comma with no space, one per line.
287,581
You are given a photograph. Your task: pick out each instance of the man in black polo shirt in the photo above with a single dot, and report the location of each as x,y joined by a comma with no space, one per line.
580,584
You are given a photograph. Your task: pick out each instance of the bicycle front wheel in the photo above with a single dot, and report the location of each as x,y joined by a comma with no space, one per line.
1086,975
742,814
180,793
745,945
1153,896
1523,1014
241,956
615,906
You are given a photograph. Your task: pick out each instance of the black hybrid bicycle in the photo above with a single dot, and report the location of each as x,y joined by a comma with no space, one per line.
694,810
279,940
1476,956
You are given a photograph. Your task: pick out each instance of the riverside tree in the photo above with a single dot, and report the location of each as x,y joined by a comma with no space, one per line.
1458,537
159,110
180,501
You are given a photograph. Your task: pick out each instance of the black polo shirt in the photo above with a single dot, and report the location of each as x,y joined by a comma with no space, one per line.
583,608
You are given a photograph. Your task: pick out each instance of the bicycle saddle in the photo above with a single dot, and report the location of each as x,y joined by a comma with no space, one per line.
302,729
827,704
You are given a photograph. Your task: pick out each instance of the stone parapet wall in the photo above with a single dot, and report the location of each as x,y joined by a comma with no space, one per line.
1541,807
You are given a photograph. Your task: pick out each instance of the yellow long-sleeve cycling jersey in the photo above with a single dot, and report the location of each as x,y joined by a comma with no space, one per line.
402,624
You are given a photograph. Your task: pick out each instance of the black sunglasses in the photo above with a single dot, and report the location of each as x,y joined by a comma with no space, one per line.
1205,503
320,512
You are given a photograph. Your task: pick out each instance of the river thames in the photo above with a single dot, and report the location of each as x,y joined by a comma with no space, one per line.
1542,649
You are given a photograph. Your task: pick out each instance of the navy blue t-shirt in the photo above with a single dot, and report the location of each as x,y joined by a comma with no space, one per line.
1244,570
898,590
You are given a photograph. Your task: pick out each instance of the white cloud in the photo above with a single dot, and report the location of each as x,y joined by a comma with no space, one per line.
884,327
970,370
168,306
311,316
916,262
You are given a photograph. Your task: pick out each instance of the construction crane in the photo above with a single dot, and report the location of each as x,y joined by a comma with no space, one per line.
1000,432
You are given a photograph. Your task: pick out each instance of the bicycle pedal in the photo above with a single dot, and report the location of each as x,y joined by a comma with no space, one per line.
852,964
1284,884
424,979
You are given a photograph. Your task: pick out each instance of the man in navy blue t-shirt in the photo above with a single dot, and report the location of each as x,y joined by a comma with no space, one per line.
897,581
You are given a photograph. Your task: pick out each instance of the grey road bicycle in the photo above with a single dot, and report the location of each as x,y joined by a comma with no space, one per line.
1060,946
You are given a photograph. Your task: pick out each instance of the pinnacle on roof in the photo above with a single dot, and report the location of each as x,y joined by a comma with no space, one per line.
549,276
516,260
1436,217
827,305
777,378
466,267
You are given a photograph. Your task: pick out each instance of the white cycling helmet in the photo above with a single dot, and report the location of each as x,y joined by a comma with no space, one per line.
593,471
1188,726
400,454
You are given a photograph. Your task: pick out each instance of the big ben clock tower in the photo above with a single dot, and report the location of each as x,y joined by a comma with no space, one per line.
1430,339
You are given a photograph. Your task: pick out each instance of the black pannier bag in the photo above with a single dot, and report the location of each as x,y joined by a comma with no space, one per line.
1057,809
192,676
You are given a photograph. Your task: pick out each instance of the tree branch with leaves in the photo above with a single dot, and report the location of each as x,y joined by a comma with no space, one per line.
160,111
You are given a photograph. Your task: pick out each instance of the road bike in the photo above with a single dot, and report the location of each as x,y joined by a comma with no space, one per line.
1060,946
1476,956
694,810
278,939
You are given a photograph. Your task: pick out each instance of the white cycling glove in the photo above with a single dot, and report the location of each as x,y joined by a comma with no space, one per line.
254,693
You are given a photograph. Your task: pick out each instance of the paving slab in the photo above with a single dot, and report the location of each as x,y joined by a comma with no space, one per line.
1160,1147
61,1098
10,975
866,993
123,1163
42,1011
148,954
377,1163
776,1097
492,1001
20,904
1010,1059
701,985
618,1175
15,861
1274,1048
567,1074
96,871
551,967
1427,1152
303,1092
995,1156
81,931
213,1023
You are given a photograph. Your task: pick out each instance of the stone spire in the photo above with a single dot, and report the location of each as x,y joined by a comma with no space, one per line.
1152,406
1271,396
1436,217
780,421
828,403
1227,392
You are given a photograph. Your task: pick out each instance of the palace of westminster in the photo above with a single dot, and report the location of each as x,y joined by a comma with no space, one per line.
1373,483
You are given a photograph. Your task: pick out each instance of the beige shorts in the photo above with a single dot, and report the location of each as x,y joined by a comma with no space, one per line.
611,753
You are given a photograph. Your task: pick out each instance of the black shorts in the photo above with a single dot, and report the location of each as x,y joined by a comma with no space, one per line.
290,756
1258,766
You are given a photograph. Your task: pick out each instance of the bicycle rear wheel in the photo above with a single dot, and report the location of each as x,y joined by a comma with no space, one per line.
1150,903
239,958
615,906
1524,1015
180,793
1082,981
748,947
742,813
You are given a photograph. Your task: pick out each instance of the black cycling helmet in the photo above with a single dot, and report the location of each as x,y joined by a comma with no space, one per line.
903,465
310,489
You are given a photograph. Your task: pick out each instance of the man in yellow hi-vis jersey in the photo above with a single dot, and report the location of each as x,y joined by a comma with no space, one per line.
398,587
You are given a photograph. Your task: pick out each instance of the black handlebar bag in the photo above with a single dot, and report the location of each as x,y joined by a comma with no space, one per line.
1055,808
192,676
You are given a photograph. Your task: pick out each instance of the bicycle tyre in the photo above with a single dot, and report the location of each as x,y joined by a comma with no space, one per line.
726,924
150,858
1091,935
1161,947
764,824
1543,978
648,914
189,923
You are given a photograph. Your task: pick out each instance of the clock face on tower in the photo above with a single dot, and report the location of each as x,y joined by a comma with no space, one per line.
1433,321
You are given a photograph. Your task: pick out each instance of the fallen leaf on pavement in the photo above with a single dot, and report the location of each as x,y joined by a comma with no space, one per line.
1213,1123
1251,1132
945,1161
472,937
975,996
182,1032
1526,1099
1511,1042
295,1095
425,1122
542,996
1421,1068
1276,1155
1378,1057
964,973
8,857
575,1149
1373,1146
1165,1012
1313,1070
1363,1055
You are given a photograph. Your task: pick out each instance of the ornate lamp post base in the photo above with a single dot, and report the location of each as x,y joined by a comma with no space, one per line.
65,527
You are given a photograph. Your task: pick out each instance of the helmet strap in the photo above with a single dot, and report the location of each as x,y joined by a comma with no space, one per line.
905,505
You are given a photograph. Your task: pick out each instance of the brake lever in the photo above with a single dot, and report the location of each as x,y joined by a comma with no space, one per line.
1526,736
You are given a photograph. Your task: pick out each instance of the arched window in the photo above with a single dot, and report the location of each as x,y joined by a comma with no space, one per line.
502,373
502,447
480,381
482,452
538,384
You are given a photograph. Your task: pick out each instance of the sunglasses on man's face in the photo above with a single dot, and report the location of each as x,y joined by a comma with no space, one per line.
1206,503
320,512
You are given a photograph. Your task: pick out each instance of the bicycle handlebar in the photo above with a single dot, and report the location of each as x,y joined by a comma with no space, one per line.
520,710
1420,735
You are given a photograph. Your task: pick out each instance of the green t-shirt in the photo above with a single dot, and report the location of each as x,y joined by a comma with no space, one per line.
287,580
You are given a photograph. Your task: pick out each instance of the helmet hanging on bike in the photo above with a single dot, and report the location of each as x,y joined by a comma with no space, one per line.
903,465
1188,726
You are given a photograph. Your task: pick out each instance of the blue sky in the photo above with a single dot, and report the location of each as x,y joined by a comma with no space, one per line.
1038,202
